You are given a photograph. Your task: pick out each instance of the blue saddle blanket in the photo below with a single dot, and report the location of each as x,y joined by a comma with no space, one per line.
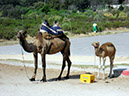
52,30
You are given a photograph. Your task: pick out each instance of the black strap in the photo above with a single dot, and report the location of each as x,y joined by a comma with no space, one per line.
49,47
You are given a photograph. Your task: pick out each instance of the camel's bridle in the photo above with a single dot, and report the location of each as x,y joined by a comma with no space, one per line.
24,64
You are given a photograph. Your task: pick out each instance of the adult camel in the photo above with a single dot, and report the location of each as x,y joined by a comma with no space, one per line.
43,46
106,49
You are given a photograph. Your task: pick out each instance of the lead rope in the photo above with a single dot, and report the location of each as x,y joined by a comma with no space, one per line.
94,62
94,59
24,64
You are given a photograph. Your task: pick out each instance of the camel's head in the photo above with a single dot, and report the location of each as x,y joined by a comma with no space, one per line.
95,44
21,34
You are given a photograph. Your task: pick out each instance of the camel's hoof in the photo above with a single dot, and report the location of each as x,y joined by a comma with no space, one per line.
43,80
110,77
32,79
67,77
58,79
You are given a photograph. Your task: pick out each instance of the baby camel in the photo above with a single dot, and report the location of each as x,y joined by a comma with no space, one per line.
106,49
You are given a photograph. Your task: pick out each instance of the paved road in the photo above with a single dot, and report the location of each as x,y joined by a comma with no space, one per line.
82,46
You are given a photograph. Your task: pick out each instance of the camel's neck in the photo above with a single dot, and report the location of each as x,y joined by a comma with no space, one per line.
97,51
29,47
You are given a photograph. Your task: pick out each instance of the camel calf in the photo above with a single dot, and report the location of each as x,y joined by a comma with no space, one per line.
106,49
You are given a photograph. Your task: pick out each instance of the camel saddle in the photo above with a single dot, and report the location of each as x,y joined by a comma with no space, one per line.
49,36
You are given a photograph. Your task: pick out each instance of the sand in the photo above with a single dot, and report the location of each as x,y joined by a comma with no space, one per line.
14,82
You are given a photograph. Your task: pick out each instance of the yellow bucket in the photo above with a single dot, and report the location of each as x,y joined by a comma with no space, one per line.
87,78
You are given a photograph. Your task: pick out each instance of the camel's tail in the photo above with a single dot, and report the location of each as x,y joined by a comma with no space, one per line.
67,44
69,52
66,48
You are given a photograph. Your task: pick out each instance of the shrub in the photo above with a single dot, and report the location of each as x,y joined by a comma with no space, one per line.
7,33
100,26
127,14
66,26
108,25
88,12
108,14
38,5
5,10
62,12
52,12
121,8
13,12
57,18
74,11
126,9
32,31
122,15
44,9
114,12
32,15
99,16
116,24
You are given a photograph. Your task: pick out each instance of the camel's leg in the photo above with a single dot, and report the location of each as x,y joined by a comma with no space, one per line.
44,67
65,53
69,66
36,66
63,66
104,60
111,66
99,67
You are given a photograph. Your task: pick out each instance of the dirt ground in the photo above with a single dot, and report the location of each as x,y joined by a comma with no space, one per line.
14,82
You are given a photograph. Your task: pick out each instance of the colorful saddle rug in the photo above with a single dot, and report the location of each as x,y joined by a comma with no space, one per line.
52,30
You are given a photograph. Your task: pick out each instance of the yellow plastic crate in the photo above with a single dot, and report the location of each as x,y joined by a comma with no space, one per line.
87,78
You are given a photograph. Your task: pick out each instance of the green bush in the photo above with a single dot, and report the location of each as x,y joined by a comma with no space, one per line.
116,24
62,12
127,14
66,26
122,15
126,9
44,9
89,12
29,18
121,8
7,33
115,12
99,16
38,5
74,11
108,24
32,31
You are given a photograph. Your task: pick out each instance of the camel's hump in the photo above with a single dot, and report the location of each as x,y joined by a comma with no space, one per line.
107,44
